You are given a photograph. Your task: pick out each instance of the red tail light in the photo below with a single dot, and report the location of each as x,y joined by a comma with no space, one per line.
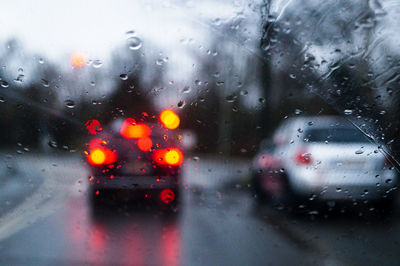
131,130
167,195
303,157
169,119
98,154
173,157
145,144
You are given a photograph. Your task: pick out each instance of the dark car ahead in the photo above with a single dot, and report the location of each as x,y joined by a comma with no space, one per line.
137,158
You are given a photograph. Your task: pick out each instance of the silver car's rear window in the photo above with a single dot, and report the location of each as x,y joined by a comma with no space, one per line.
335,135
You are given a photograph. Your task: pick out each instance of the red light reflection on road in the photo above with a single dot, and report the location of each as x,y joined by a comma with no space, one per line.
170,246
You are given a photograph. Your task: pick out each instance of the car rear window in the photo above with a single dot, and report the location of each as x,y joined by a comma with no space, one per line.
335,135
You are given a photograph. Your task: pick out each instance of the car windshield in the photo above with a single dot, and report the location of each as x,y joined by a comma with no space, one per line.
335,135
183,132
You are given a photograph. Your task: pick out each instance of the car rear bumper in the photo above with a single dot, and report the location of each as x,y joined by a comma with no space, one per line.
344,185
133,182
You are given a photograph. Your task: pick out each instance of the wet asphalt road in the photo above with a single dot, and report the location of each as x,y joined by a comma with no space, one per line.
214,226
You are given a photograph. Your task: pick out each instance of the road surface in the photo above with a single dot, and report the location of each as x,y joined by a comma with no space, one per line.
215,225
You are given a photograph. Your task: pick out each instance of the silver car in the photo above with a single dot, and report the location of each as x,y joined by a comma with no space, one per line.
324,158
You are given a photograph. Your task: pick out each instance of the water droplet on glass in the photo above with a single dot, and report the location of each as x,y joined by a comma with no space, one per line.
181,104
53,144
4,84
93,83
338,189
348,112
41,61
230,98
123,76
360,151
220,83
388,181
2,100
45,83
292,76
186,89
70,104
159,62
197,82
244,92
297,111
134,43
97,64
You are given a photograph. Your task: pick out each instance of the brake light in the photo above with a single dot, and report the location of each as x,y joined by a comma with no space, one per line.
169,119
303,157
145,144
167,195
97,157
173,157
131,130
98,154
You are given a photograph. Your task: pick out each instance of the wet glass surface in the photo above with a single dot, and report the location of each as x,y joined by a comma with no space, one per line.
199,132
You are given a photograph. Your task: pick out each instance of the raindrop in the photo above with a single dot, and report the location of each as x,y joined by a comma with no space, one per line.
360,151
159,62
134,43
338,189
348,112
19,77
297,111
4,84
181,104
2,100
310,123
244,92
97,64
123,76
197,82
388,181
70,104
93,83
261,100
130,32
45,83
230,98
292,76
41,61
299,130
53,144
186,89
220,83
